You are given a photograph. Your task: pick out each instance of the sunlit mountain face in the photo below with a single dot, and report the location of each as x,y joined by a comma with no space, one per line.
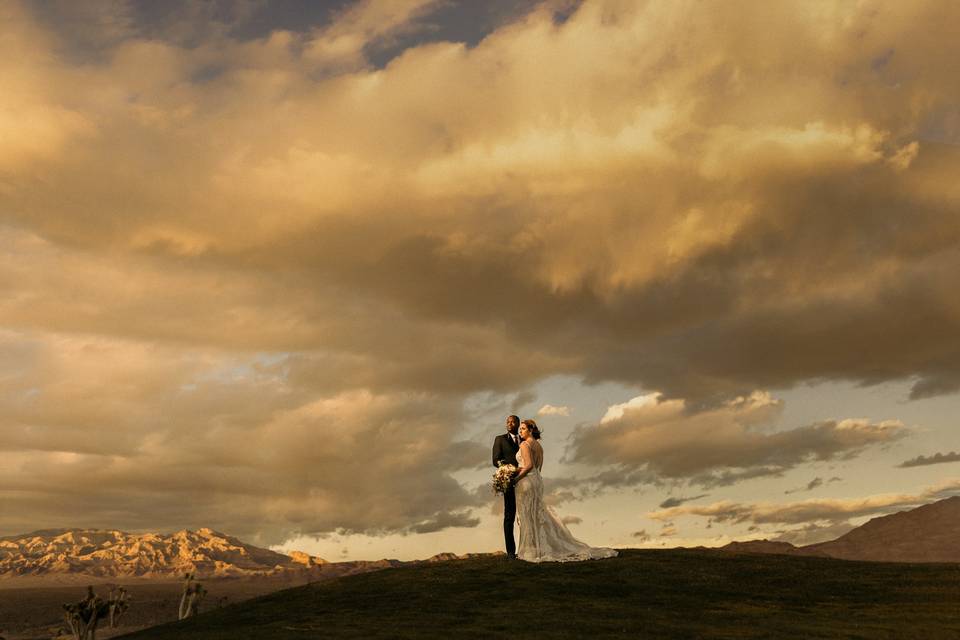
282,269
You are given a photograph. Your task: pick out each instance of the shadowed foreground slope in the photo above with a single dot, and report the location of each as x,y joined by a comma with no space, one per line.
653,594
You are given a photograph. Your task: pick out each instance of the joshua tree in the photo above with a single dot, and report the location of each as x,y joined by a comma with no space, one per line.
83,617
193,594
117,604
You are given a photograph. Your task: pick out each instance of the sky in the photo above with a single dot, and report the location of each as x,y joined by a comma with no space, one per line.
283,268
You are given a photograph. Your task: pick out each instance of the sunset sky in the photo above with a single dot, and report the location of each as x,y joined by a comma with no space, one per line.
282,268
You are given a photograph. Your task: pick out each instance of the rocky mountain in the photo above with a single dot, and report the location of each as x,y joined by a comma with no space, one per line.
926,534
114,553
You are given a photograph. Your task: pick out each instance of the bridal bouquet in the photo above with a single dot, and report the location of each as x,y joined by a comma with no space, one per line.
503,477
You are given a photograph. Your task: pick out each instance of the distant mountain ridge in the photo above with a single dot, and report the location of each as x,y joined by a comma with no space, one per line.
929,533
925,534
205,552
114,553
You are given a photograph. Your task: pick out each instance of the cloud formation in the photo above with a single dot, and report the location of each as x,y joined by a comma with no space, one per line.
676,502
344,44
117,434
824,510
739,267
237,267
937,458
550,410
813,484
720,445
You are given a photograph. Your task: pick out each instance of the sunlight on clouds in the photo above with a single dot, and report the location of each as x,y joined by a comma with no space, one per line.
730,150
551,410
302,178
650,400
719,445
705,200
43,133
557,159
340,46
33,126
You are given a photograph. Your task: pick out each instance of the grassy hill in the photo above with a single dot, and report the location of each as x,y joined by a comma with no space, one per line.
643,593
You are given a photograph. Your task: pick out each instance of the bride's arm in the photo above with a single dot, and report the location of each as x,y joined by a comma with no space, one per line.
527,462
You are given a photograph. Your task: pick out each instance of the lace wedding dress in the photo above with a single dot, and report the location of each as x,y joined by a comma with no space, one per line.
543,537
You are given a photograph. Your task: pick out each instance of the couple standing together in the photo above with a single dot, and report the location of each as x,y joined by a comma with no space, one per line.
543,537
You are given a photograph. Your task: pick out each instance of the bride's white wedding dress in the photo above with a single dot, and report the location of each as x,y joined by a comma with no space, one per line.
543,537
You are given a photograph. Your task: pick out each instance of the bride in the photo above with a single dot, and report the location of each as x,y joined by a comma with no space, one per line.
543,537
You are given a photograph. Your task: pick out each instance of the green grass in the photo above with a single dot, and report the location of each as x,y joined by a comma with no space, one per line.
641,594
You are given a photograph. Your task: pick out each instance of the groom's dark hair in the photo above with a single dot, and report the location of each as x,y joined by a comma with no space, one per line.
515,419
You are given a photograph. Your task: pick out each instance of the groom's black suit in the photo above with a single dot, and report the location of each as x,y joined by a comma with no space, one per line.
505,450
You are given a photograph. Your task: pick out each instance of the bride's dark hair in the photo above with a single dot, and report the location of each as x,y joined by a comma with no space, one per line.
534,429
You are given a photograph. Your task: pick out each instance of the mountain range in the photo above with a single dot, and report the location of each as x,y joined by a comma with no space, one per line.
925,534
107,554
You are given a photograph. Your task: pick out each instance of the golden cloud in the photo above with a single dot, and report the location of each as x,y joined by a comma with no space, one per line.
719,445
699,199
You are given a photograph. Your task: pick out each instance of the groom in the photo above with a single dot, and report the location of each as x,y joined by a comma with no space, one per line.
505,447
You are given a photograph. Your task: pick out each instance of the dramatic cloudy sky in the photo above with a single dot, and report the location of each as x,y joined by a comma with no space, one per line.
282,268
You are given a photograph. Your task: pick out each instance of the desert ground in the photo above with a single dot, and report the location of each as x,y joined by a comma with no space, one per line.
32,612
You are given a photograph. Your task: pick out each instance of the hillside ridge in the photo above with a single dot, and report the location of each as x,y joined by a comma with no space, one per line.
927,533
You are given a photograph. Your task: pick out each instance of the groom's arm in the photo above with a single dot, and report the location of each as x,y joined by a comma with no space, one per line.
497,450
